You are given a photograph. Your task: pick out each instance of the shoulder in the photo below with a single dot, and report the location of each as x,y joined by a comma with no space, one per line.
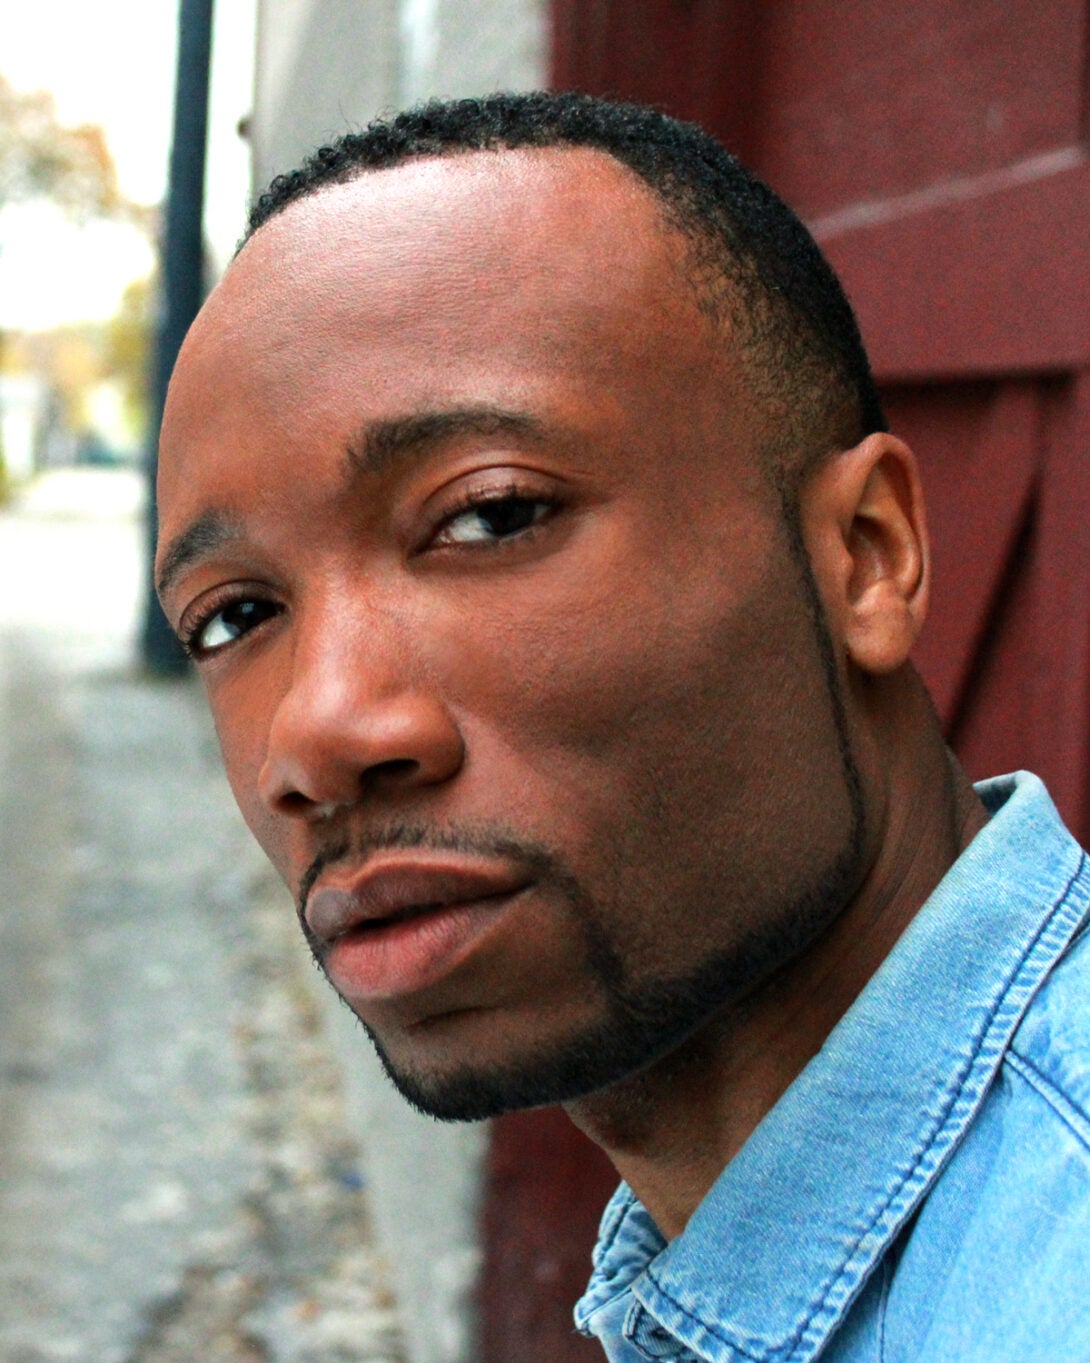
995,1265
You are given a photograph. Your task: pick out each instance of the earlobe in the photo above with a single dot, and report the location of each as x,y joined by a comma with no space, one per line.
865,528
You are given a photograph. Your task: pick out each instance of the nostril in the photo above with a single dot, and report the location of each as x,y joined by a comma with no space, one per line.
393,771
292,802
337,746
395,766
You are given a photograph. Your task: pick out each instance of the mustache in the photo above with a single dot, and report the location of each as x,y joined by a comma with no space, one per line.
487,842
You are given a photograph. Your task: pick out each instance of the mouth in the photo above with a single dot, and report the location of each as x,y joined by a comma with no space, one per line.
405,921
402,916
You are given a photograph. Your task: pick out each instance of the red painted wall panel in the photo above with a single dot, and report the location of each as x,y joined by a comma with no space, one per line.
965,435
938,150
1056,645
987,276
695,59
860,100
546,1187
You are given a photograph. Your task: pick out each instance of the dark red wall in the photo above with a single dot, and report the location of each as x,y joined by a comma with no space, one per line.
546,1187
938,152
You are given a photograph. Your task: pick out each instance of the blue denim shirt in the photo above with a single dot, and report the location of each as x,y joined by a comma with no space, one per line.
921,1193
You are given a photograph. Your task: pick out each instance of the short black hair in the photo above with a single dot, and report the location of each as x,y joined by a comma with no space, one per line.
753,263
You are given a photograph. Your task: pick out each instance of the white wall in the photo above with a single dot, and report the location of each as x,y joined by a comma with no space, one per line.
325,66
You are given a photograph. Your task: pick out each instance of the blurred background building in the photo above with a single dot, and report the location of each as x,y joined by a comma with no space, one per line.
323,68
938,151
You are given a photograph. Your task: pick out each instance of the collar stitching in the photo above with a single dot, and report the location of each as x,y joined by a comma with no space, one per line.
1068,1112
942,1124
621,1215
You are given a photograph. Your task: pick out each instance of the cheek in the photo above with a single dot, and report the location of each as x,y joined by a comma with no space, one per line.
242,714
600,707
665,740
619,653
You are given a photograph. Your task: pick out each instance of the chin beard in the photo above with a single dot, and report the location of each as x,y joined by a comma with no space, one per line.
640,1022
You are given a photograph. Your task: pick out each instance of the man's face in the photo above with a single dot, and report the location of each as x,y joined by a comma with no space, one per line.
514,671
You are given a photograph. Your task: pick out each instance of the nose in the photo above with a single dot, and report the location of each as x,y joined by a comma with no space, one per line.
356,721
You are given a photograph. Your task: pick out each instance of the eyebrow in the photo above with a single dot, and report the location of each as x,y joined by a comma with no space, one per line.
379,444
209,532
374,448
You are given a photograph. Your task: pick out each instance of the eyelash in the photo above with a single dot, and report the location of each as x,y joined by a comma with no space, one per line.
472,500
189,632
481,500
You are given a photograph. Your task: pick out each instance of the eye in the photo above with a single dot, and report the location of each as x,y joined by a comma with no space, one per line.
227,624
493,518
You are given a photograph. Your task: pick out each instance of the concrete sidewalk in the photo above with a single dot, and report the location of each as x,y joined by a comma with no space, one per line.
179,1175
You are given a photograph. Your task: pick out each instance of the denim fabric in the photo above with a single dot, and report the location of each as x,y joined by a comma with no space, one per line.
921,1193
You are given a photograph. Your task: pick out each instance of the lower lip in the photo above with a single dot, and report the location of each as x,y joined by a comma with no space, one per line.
372,964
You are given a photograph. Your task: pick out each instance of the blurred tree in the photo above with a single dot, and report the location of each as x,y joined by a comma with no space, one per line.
76,364
127,349
71,167
67,362
42,159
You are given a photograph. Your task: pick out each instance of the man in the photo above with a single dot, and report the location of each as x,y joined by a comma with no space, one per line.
527,509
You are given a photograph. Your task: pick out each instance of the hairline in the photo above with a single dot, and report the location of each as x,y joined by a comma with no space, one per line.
701,250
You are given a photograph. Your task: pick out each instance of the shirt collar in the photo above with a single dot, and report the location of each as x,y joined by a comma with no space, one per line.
833,1172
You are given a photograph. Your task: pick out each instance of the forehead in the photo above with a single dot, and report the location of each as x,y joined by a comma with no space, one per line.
484,278
500,205
536,233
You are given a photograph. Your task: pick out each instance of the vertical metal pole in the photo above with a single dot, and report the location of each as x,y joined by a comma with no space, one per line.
181,270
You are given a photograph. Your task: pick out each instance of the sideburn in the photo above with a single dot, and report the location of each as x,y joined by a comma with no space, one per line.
788,494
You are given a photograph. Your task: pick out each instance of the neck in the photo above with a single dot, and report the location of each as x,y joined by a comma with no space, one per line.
671,1129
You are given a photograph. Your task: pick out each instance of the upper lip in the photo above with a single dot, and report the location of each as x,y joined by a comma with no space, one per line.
393,885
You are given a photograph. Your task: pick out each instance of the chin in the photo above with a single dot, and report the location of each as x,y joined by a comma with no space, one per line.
470,1093
637,1023
602,1054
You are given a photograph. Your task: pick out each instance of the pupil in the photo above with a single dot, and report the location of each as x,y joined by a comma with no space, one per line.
508,517
244,615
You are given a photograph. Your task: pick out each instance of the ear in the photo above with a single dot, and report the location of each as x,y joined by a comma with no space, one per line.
863,524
